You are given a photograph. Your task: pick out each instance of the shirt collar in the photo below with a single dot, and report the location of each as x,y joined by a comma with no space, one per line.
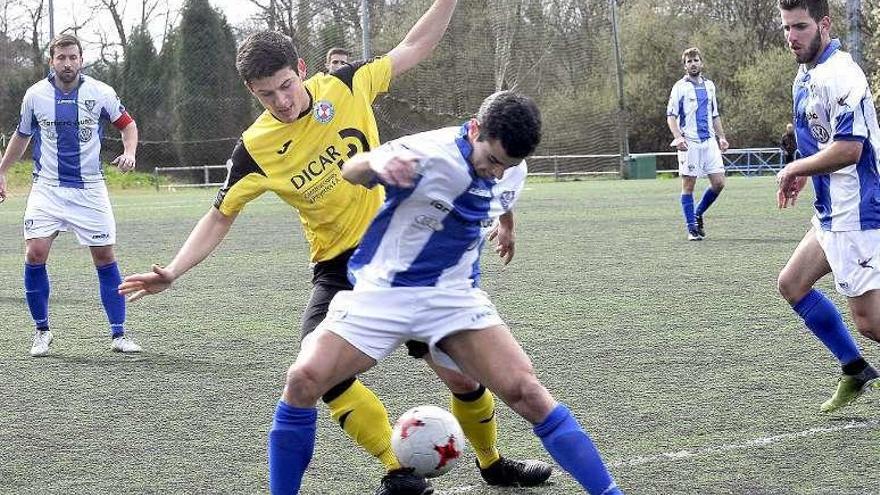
829,51
464,146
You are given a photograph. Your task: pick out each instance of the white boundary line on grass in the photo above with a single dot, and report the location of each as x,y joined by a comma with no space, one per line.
756,443
715,449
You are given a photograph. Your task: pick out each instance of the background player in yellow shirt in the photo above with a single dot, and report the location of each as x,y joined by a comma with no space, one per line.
295,149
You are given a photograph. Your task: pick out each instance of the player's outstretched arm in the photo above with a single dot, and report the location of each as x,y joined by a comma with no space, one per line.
393,169
202,241
422,38
126,161
14,150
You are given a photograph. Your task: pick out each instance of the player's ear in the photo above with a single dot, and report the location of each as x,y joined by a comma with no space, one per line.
301,69
825,25
473,130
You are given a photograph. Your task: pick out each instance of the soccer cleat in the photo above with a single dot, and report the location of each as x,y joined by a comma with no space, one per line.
404,482
42,339
700,231
850,388
694,234
124,344
509,472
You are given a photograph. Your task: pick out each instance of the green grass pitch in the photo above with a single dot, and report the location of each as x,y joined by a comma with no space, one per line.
692,375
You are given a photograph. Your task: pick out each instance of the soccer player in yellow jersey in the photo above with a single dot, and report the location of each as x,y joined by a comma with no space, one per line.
296,149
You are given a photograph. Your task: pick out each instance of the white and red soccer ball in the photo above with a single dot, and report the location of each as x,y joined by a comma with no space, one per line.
429,440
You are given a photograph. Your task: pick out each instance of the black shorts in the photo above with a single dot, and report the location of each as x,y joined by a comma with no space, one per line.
328,278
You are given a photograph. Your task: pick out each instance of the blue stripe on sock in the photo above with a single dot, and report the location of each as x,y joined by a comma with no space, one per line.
36,290
823,319
291,444
573,449
709,197
687,207
109,279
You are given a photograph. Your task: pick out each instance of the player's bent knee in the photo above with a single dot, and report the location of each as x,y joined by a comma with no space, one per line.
304,385
527,396
789,289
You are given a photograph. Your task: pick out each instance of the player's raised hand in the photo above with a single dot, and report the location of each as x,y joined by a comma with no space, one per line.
505,241
141,284
124,162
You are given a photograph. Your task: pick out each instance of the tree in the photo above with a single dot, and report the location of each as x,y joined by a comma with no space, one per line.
211,102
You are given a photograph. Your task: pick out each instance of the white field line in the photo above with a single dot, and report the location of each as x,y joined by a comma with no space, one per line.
756,443
714,449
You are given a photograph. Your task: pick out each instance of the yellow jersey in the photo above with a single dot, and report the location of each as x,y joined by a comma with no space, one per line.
301,161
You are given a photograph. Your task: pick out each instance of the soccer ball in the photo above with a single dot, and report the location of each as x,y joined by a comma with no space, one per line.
429,440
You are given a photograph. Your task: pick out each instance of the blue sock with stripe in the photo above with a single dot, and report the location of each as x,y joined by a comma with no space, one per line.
291,444
572,449
36,291
687,207
709,197
823,319
109,279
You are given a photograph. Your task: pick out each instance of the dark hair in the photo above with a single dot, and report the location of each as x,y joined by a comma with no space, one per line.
816,8
512,118
263,54
336,51
690,52
63,40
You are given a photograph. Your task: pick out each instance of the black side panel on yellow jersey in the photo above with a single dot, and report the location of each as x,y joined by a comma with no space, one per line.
346,73
242,165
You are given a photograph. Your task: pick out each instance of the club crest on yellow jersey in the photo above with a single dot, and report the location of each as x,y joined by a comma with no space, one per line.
324,112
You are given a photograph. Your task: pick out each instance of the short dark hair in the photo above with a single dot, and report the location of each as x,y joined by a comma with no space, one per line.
690,52
816,8
263,54
63,40
512,118
336,51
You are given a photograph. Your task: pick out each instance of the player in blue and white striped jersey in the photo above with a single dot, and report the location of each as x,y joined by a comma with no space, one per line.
64,115
417,278
838,139
693,117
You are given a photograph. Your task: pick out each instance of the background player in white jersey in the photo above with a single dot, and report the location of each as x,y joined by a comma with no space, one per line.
65,114
692,116
417,274
838,139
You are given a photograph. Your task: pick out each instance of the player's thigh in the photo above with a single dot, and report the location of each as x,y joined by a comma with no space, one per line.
44,212
316,309
455,381
804,268
711,161
687,167
324,360
865,310
90,216
494,358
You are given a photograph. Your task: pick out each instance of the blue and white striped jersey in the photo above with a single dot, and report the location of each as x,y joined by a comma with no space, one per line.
695,105
431,235
67,129
832,102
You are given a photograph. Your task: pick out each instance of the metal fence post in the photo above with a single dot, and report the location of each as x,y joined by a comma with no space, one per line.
556,169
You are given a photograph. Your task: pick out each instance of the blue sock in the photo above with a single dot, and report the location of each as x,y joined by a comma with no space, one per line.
709,197
291,444
114,304
823,319
572,449
687,207
36,291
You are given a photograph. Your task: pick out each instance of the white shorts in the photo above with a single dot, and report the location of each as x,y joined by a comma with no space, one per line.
854,257
378,320
700,159
86,212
